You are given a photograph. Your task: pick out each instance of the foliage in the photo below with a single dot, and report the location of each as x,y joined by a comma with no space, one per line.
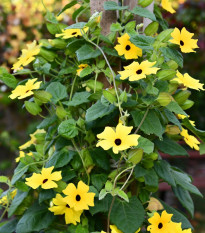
84,120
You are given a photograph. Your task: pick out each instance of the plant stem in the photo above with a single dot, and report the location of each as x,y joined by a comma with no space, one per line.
76,148
127,179
143,119
72,88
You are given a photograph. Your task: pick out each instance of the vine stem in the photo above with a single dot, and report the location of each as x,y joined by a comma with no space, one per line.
72,88
76,148
127,179
143,119
113,200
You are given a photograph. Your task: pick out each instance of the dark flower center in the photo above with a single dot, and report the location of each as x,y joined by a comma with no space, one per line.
118,141
127,47
78,198
139,71
160,225
44,181
74,33
181,43
67,206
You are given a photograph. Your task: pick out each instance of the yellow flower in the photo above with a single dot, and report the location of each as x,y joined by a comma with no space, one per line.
160,224
184,40
167,5
62,207
23,91
32,141
22,155
126,48
136,71
69,33
45,179
189,139
181,117
27,55
115,229
188,81
4,200
79,198
81,67
118,139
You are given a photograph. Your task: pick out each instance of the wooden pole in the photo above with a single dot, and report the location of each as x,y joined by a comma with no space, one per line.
108,17
146,21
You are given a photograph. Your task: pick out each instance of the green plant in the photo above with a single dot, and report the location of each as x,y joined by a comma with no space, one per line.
102,130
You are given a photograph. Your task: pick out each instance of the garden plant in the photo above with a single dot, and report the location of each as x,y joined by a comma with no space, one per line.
111,104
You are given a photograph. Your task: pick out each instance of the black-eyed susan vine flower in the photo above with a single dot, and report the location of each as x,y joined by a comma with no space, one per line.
184,40
79,198
46,179
32,141
190,139
4,200
27,56
167,5
161,224
126,48
81,67
136,71
23,91
22,154
114,229
118,139
69,33
62,207
188,81
181,117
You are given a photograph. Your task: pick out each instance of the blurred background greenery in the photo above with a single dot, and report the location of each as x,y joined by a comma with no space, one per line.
22,21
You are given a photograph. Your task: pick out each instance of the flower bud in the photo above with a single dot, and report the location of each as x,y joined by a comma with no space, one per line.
154,205
151,29
135,156
145,3
172,129
164,98
58,43
181,96
187,104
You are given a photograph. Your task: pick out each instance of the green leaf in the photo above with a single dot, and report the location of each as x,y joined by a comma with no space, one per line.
151,124
197,132
165,35
50,17
100,158
172,118
78,99
174,107
101,206
7,78
202,149
43,96
163,170
166,74
173,55
184,198
67,129
46,194
86,71
32,108
183,180
115,27
102,194
80,25
98,110
128,217
170,147
87,52
4,179
9,226
143,13
110,5
122,195
58,91
177,216
143,42
67,6
60,158
18,199
139,171
36,218
19,172
98,180
151,180
146,145
47,122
